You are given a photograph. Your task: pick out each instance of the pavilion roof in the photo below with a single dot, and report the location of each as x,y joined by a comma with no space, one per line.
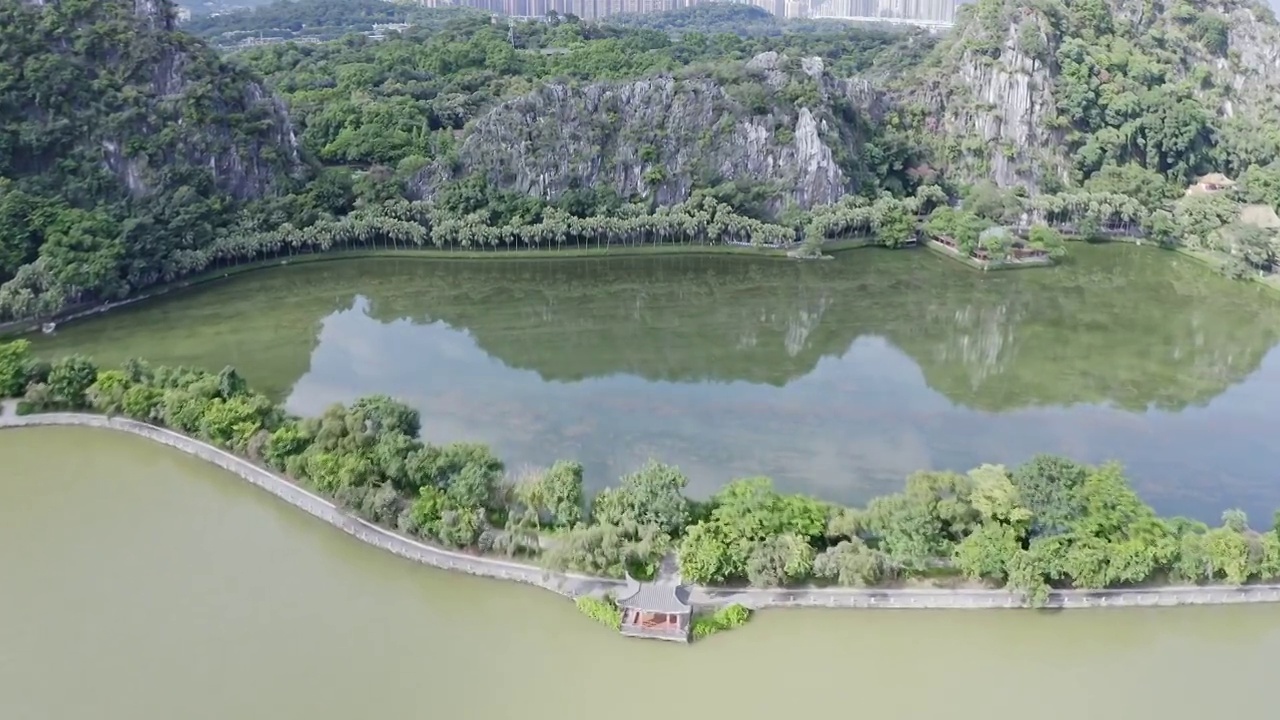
668,597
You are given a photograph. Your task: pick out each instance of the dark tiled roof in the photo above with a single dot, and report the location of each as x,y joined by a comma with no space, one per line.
665,597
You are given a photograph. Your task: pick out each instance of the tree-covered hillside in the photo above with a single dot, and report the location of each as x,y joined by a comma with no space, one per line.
715,18
124,146
134,155
1047,94
317,19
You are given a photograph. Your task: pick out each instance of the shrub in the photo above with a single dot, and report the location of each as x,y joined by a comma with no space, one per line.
602,611
726,618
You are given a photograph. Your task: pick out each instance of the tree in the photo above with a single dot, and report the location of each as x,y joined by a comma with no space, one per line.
780,560
333,191
107,393
381,414
992,203
69,380
989,552
1151,189
15,362
653,495
996,498
1046,238
1047,486
703,553
740,536
560,492
852,563
609,550
1260,184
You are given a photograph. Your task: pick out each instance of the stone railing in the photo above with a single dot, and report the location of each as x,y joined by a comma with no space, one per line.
574,585
970,599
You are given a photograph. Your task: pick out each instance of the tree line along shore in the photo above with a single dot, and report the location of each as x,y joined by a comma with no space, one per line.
1049,523
994,229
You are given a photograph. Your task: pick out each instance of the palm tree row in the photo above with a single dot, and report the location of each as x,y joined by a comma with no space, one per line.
405,225
1098,211
891,220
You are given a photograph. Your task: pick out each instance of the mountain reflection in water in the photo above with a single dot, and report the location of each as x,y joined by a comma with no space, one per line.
836,378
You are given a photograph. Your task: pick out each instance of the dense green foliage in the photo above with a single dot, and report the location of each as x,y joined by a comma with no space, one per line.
318,19
602,611
1132,84
725,618
403,99
1048,523
111,127
91,95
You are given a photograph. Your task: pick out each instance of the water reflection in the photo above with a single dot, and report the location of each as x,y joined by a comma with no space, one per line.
837,378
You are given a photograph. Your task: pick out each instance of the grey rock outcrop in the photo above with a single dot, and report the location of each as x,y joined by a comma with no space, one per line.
993,95
659,137
1000,105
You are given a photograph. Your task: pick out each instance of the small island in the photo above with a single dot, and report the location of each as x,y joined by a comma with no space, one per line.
1051,532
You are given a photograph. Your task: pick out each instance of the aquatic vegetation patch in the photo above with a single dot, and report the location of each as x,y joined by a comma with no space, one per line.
725,618
603,611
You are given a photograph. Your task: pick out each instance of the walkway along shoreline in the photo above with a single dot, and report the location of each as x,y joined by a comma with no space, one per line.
574,585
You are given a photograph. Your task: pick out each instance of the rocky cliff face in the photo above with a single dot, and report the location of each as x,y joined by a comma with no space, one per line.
164,102
998,104
787,124
993,108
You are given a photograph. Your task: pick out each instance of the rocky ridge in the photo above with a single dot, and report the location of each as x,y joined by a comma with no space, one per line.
178,105
784,121
995,104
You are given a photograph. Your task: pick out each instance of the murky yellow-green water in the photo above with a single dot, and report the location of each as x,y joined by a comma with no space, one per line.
139,584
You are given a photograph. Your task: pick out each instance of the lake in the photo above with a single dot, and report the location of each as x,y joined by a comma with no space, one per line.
835,378
141,584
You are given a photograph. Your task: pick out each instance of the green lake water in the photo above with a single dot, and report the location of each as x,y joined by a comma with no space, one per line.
137,583
837,378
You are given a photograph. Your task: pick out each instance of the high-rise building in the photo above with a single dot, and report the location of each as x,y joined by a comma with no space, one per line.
933,12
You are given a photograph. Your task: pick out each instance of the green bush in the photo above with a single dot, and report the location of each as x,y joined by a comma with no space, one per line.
726,618
602,611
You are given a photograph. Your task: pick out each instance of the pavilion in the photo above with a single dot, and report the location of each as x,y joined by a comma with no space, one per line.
658,610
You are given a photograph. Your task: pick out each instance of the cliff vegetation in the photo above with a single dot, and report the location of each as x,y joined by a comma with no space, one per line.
124,147
136,156
1047,94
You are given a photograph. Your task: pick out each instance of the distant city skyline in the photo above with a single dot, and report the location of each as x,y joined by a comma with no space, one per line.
940,12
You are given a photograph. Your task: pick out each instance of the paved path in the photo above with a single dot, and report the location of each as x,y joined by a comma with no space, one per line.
574,585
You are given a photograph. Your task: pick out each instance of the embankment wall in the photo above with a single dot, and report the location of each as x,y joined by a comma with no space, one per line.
573,585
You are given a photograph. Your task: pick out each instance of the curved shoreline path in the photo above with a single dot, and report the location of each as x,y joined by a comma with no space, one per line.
575,585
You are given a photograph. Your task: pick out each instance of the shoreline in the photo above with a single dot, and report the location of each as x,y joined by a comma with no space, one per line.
573,585
85,310
16,328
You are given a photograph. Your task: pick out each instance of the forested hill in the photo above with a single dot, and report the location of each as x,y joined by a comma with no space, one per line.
1044,94
317,19
131,154
124,144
